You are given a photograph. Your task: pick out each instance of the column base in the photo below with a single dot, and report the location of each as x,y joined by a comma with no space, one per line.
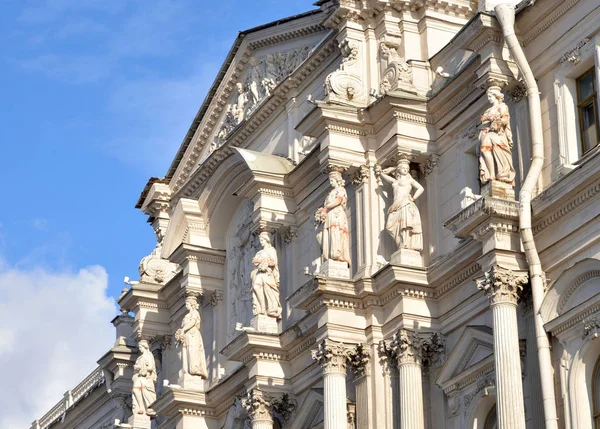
497,189
139,421
331,268
407,257
190,382
265,324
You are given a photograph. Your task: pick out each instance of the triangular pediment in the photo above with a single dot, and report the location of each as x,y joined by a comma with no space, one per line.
256,71
474,348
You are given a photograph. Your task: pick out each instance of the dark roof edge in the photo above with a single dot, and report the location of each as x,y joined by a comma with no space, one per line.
213,89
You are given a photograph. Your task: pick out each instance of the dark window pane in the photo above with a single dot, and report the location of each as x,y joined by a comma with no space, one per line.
586,86
587,115
590,138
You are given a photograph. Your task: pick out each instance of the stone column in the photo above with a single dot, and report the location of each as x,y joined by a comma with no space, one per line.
390,375
502,287
407,348
259,406
332,358
359,362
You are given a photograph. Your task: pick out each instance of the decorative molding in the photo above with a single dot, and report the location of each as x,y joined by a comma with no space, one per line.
518,92
189,179
433,349
573,288
547,23
360,176
216,297
331,356
487,384
430,164
502,285
387,357
567,208
591,326
464,275
290,234
407,347
258,405
359,360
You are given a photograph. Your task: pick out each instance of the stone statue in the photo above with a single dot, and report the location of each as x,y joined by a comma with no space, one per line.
495,141
144,391
404,220
334,236
242,101
265,280
194,362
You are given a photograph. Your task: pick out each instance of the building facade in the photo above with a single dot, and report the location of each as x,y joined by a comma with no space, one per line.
384,215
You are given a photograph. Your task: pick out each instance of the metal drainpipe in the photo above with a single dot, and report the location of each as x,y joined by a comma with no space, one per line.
505,13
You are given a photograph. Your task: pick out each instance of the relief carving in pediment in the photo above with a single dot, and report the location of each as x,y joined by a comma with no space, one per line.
258,81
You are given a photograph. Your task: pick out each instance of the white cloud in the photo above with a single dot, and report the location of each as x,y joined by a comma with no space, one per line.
53,329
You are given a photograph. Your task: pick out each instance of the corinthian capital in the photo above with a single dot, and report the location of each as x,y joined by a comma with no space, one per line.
259,406
407,347
429,165
331,356
433,349
358,359
387,357
502,285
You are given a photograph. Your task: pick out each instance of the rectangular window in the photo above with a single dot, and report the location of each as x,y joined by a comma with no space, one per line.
588,111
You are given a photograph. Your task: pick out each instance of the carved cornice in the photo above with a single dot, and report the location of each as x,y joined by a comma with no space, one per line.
463,223
547,22
502,285
331,356
556,215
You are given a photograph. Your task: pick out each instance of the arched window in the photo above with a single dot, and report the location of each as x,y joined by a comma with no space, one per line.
596,394
491,421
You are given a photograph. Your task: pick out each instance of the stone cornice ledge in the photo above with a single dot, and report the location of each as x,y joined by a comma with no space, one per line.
256,344
558,199
176,400
465,222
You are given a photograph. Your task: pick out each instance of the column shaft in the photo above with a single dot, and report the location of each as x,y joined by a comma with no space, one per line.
335,401
509,385
411,396
262,424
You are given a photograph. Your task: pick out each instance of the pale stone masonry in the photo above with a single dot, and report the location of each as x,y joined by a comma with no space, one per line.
343,238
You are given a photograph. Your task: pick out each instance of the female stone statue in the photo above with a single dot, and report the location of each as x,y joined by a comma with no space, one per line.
265,279
194,362
404,220
334,237
495,141
144,392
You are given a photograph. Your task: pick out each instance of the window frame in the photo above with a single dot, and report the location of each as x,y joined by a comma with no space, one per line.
593,98
566,93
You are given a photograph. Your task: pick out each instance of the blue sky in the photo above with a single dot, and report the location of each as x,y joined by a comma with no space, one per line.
97,96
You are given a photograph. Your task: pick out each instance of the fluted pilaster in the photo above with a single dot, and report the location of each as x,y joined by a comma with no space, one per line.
390,375
332,358
503,287
359,361
407,348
